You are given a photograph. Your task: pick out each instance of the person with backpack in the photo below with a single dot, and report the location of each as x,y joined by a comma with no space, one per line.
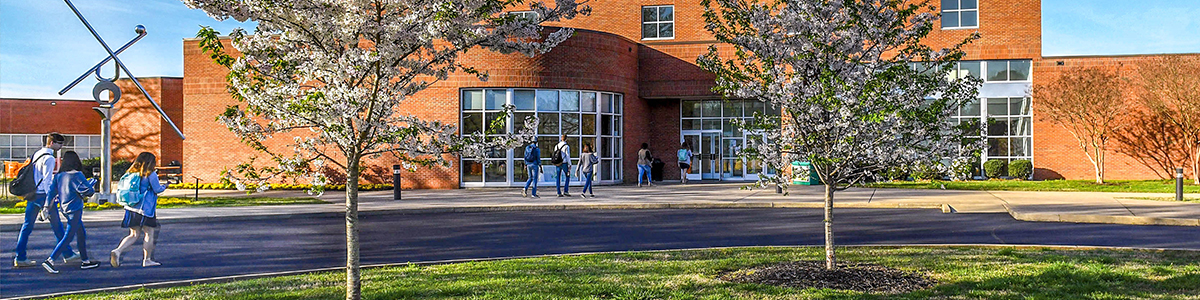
643,164
587,165
69,188
533,162
138,193
562,159
685,161
33,183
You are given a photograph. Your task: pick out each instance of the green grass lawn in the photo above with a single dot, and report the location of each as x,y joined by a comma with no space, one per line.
11,206
1134,186
962,273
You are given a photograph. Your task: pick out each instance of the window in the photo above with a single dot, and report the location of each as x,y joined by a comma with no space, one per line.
586,117
1008,70
960,14
528,15
18,147
658,22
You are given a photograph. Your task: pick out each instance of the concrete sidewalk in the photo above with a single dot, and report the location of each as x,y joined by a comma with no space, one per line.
1081,207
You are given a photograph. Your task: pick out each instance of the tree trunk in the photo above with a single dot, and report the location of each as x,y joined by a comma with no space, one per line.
830,261
1196,167
1099,165
353,277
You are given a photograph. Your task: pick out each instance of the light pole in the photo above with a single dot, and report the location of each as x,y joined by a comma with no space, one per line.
105,107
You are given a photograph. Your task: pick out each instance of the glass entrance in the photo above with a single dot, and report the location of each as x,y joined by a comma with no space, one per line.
706,147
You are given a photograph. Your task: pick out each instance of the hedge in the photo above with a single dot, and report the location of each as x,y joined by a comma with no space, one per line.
1020,169
280,186
995,168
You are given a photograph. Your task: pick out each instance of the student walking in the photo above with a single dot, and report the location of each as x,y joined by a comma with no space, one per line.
533,162
140,219
562,159
43,163
69,189
587,165
685,161
643,164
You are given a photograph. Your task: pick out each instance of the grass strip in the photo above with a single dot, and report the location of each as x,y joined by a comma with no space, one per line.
961,273
1124,186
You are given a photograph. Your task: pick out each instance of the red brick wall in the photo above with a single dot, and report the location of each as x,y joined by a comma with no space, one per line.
589,60
1056,152
1008,29
41,116
138,127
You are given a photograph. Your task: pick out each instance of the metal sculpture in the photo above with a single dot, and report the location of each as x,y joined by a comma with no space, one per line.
105,107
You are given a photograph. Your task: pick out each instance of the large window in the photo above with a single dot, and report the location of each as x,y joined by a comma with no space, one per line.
1008,70
586,117
960,14
18,147
658,22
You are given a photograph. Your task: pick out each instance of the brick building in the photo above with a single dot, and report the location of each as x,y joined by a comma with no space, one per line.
137,126
629,77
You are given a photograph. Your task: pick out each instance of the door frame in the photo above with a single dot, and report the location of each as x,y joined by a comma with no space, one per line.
698,163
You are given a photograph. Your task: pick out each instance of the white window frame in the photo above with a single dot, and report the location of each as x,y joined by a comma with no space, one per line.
525,14
656,12
984,70
960,10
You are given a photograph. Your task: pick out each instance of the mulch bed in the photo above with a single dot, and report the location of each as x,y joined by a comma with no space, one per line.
867,278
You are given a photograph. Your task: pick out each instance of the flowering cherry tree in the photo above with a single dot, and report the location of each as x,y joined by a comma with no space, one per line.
329,76
842,73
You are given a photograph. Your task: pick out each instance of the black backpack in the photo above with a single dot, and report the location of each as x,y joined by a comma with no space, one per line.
24,185
557,158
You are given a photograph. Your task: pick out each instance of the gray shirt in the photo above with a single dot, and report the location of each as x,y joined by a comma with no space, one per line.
587,162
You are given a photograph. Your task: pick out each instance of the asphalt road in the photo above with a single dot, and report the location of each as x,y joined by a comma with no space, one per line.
209,249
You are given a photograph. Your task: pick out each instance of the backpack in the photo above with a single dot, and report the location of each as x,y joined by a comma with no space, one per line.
557,158
685,156
531,155
129,190
24,185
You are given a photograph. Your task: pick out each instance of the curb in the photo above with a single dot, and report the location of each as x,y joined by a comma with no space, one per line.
1095,219
500,208
223,279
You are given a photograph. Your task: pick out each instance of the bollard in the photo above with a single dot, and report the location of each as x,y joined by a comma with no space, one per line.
1178,184
395,182
196,197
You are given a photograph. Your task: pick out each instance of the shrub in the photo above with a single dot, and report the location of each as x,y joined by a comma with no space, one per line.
21,204
995,168
895,173
928,171
1020,169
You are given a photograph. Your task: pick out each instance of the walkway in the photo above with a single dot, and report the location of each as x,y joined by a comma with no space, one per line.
1080,207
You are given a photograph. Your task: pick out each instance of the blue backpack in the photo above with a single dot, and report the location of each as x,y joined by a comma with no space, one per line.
129,190
532,154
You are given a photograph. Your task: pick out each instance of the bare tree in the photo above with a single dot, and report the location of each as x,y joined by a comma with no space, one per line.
1088,103
1170,89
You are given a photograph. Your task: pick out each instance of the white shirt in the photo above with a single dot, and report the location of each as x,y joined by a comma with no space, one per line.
45,170
566,152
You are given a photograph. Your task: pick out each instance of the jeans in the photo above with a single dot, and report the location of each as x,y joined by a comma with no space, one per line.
563,180
74,231
643,171
32,208
587,183
534,169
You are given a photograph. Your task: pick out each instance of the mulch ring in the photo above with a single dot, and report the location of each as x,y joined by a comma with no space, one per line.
867,278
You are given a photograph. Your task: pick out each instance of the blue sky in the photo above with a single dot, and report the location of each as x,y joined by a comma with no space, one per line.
43,46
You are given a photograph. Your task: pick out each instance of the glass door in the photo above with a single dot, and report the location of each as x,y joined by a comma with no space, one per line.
706,154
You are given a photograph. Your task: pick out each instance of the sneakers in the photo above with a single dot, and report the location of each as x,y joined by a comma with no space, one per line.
114,258
17,263
49,266
583,196
567,195
592,195
560,195
535,196
87,264
150,263
73,259
524,193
